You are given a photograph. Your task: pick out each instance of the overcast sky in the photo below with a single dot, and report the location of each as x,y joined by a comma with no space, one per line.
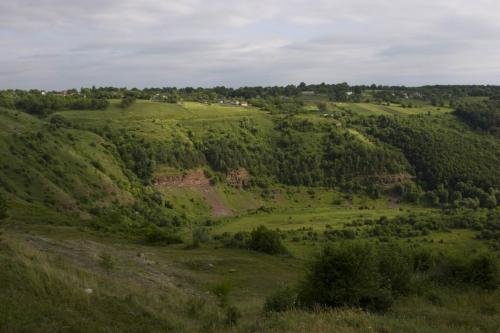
56,44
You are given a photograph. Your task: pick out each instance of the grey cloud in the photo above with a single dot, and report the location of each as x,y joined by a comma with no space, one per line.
55,44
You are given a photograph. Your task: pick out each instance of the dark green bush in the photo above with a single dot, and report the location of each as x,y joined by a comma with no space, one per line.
484,271
127,101
481,270
106,262
200,235
346,275
267,241
239,240
157,236
233,314
423,260
221,291
283,299
395,268
3,208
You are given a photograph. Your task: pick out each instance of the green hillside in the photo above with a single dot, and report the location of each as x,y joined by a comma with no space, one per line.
205,216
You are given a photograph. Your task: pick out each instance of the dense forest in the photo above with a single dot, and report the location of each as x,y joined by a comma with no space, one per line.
484,116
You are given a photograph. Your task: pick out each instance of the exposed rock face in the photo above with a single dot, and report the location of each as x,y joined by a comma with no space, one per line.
238,178
197,180
389,181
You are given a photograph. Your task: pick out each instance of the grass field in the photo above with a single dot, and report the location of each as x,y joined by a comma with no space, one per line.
367,109
159,289
315,218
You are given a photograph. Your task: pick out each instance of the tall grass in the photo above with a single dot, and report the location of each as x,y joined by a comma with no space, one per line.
42,293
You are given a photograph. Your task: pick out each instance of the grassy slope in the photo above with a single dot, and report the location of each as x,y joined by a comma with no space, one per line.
157,289
55,169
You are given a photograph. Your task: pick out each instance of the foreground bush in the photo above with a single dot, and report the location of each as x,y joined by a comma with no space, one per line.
358,274
347,275
395,268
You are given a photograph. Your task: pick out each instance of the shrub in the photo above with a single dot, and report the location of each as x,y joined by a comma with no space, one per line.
221,291
283,299
161,237
3,208
481,270
240,240
233,314
434,298
106,262
267,241
200,235
127,101
346,275
195,306
484,271
423,260
395,268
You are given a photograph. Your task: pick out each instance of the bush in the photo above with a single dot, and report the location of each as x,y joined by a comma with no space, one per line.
200,235
484,271
3,208
106,262
434,298
481,270
233,314
422,260
267,241
221,291
161,237
283,299
195,306
395,268
346,275
126,102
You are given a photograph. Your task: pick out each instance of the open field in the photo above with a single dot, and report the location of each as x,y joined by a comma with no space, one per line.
315,218
367,109
170,289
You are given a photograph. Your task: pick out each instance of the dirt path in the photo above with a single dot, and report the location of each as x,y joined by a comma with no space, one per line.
197,180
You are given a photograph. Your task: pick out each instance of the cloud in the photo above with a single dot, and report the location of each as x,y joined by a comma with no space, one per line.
56,44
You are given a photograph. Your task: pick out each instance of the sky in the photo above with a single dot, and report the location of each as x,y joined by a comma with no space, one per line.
60,44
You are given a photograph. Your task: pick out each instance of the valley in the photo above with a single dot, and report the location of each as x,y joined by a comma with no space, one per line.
147,217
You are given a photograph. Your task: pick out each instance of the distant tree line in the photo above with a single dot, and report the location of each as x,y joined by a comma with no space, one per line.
38,103
273,98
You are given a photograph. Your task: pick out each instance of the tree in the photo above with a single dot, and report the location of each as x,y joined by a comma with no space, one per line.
7,100
127,101
173,97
